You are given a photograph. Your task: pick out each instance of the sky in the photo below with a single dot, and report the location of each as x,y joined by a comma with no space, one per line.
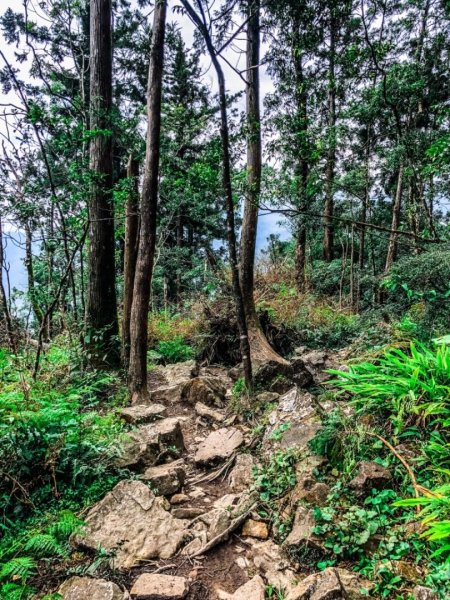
267,223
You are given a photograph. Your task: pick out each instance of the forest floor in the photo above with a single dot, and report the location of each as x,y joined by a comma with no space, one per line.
216,495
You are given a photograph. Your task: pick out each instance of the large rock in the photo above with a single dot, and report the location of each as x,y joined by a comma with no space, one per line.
84,588
269,560
166,383
241,477
152,443
134,524
141,413
316,362
206,390
166,479
219,445
153,586
370,476
252,590
331,584
301,541
293,423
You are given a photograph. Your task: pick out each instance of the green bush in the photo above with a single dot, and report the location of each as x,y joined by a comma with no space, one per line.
421,284
176,350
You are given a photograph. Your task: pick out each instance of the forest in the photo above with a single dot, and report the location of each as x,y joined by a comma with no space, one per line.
225,299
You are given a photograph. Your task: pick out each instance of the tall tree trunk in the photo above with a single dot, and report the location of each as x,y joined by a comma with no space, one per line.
149,205
260,349
328,241
396,211
130,252
228,191
102,303
302,164
37,310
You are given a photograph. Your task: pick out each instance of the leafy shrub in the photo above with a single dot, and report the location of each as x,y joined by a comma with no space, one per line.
423,281
409,389
176,350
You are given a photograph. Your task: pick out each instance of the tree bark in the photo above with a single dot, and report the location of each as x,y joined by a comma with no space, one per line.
228,191
328,241
260,349
130,253
149,205
396,211
102,304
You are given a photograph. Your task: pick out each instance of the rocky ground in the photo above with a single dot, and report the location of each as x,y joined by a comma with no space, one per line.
188,524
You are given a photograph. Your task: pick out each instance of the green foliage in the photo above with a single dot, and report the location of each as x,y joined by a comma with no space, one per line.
435,516
276,477
57,454
346,533
407,388
421,281
176,350
342,440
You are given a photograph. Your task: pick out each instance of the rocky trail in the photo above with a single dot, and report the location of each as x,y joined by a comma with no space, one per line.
188,525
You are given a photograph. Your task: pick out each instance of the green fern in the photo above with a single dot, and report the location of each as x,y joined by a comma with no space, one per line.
43,544
67,524
15,591
20,567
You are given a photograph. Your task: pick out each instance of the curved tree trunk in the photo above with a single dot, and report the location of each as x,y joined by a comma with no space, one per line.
149,205
228,192
102,302
260,349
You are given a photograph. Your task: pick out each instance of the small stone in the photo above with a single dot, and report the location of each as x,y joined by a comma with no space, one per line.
255,529
370,476
309,490
209,413
166,479
179,499
242,562
151,586
252,590
266,398
142,413
420,592
219,445
81,588
197,493
187,512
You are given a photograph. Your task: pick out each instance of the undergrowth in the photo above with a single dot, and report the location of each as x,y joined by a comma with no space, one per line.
58,449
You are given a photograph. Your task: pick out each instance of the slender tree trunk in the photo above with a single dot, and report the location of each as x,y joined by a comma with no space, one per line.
102,303
260,349
396,211
149,205
37,310
130,252
328,241
4,300
228,191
